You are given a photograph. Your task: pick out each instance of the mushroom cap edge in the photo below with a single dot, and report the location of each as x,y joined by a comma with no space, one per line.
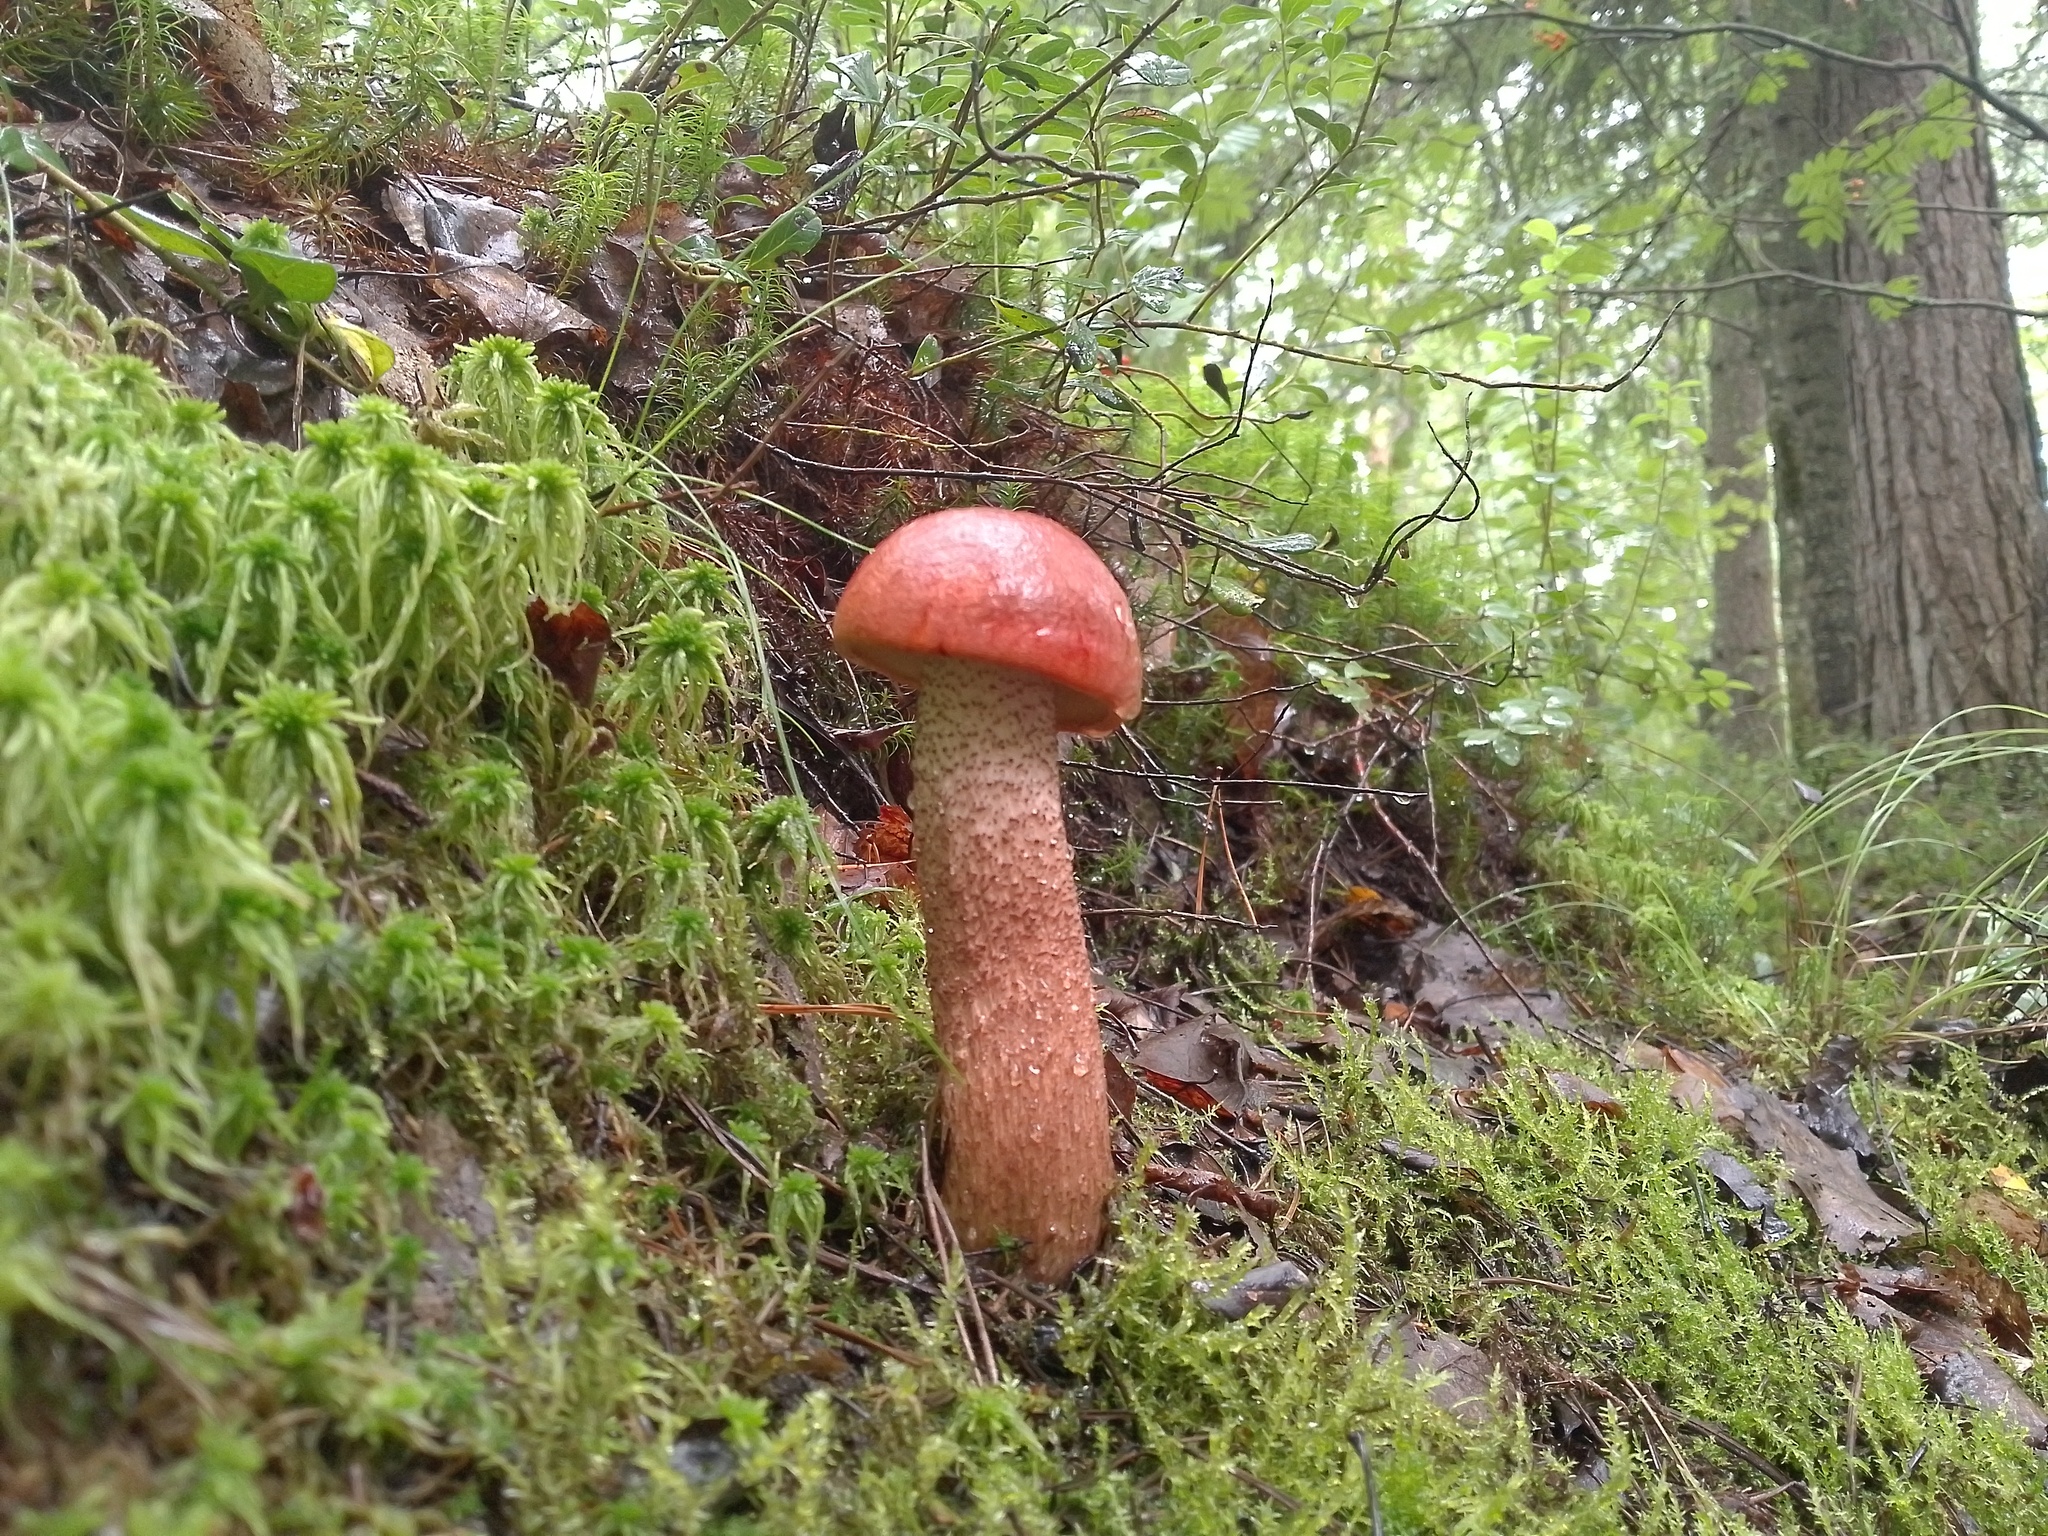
1004,588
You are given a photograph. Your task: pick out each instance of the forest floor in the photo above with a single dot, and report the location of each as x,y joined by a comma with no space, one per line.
462,1054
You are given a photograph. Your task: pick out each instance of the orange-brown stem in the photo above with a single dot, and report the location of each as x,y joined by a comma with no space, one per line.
1023,1103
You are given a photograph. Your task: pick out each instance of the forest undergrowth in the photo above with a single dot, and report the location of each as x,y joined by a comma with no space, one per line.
463,1055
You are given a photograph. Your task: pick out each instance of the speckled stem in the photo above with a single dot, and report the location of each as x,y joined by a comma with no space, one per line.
1024,1107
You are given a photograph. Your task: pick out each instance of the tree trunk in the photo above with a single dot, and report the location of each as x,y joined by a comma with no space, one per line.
1806,373
1746,645
1948,528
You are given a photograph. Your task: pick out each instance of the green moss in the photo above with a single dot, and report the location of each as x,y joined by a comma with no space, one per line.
426,1164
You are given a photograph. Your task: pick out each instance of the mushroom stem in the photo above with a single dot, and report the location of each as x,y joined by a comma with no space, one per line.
1023,1103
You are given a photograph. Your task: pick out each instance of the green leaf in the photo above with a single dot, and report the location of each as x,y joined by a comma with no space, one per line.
1286,543
859,80
765,165
1905,288
1106,393
695,75
632,106
1023,319
1338,134
23,150
1234,594
1082,349
276,275
929,355
1157,69
371,352
792,234
168,239
1157,287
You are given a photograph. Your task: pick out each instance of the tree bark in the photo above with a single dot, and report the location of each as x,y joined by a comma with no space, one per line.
1746,636
1948,523
1806,371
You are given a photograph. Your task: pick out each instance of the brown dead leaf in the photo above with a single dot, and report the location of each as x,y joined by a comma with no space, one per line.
381,307
1694,1079
874,856
438,218
1267,1286
1460,1376
1123,1093
1851,1213
1746,1190
508,303
1210,1065
858,879
1959,1365
886,839
1367,911
1574,1089
1963,1371
1460,983
1994,1209
1996,1302
232,49
305,1211
927,300
1204,1184
571,646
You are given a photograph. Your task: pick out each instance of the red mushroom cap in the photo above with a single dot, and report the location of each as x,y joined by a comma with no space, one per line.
1007,589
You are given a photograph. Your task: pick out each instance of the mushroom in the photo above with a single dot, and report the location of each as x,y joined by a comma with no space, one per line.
1013,630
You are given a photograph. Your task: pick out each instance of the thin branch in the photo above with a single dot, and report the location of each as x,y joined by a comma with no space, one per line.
1857,290
1997,100
1606,387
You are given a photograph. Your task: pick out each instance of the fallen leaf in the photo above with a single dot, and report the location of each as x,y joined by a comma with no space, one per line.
1824,1102
438,218
1461,1377
859,879
1993,1209
1962,1371
1851,1213
233,50
1367,910
874,856
1997,1303
1267,1286
1574,1089
305,1210
926,301
1202,1184
1460,983
570,645
1694,1079
1744,1188
838,836
393,794
1123,1093
886,839
381,308
1209,1065
1414,1159
508,303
